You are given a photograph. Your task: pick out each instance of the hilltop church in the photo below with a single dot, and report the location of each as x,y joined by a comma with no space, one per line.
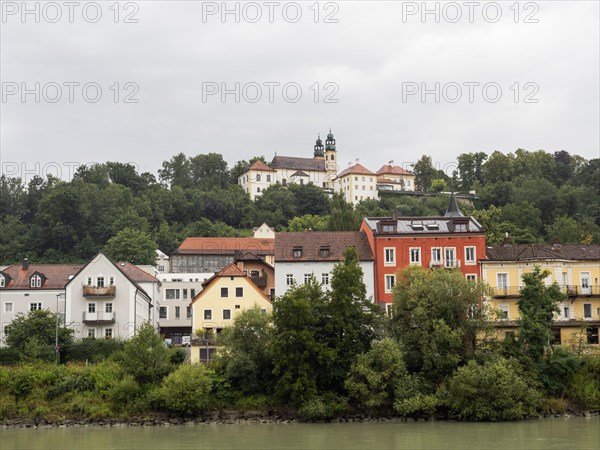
321,170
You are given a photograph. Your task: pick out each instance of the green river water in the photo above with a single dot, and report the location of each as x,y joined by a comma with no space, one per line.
576,433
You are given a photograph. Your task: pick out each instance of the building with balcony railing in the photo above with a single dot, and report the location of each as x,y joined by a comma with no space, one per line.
575,268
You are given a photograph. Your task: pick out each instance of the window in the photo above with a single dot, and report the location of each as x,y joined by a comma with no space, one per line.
35,306
108,308
208,314
108,333
239,291
185,294
502,281
162,312
469,255
389,309
172,294
587,310
91,307
390,280
307,277
450,256
297,252
237,306
471,277
324,251
226,314
284,182
263,311
161,268
415,255
258,177
91,333
192,293
36,281
224,292
325,279
289,279
566,312
177,312
188,312
592,335
389,256
100,282
89,281
8,307
555,336
111,281
2,281
268,178
503,312
436,256
388,228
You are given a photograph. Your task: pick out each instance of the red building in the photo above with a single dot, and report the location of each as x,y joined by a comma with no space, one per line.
451,241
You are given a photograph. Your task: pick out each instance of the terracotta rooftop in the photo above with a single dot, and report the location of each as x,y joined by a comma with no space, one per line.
387,181
321,245
249,256
388,169
259,165
55,276
230,270
358,169
135,274
536,252
292,162
226,246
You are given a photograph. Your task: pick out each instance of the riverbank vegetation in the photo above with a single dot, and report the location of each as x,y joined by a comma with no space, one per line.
321,355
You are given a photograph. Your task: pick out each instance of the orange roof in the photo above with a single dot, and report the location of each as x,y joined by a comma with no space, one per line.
259,165
226,246
54,276
356,169
388,169
135,274
230,270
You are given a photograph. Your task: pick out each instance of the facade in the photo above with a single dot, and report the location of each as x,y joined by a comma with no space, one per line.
210,255
26,287
319,170
357,183
110,300
261,273
395,178
298,256
453,241
224,296
263,232
574,267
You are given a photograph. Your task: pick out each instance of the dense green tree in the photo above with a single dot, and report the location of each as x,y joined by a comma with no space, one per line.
187,390
131,245
176,171
209,171
436,317
424,173
15,243
276,206
470,166
537,305
310,199
308,222
145,356
498,167
342,217
40,325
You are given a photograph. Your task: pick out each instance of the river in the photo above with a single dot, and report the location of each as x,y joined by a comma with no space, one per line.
577,433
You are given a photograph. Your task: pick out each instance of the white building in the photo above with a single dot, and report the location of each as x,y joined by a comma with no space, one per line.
109,300
357,183
298,256
395,178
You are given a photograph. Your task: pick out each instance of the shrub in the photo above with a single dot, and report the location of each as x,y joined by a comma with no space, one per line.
177,356
77,380
557,370
253,402
124,391
22,383
9,356
106,375
492,391
553,405
92,350
585,384
323,408
187,390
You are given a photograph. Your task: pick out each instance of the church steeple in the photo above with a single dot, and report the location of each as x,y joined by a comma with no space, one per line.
453,209
330,142
319,150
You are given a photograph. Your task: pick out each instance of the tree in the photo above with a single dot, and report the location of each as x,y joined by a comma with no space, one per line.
209,171
308,222
176,172
302,360
187,390
131,245
537,306
247,362
39,325
436,317
145,356
342,217
424,173
310,199
354,320
470,169
498,167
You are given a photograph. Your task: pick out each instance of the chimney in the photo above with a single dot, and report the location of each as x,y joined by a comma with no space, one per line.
25,264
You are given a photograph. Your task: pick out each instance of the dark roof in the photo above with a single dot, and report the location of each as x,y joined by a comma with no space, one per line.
249,256
225,246
312,242
56,275
299,173
453,209
535,252
292,162
422,225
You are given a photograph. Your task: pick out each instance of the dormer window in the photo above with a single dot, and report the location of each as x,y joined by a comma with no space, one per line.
297,252
35,281
389,227
324,251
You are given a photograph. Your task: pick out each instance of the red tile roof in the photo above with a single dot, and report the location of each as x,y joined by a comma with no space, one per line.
259,165
388,169
312,242
356,169
226,246
56,275
135,274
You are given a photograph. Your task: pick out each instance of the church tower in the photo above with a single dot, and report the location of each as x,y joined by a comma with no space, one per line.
330,159
319,149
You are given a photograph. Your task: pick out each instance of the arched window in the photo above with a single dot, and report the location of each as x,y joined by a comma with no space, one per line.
36,281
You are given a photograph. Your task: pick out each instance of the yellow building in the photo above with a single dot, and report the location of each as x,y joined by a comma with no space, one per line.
223,297
574,267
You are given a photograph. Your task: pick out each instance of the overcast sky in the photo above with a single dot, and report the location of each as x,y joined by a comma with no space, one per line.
507,77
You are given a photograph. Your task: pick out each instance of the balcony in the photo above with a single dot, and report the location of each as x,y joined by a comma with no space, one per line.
99,292
445,264
506,292
571,291
259,281
98,318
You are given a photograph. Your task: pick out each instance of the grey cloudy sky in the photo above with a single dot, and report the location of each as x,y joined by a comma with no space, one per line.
524,76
